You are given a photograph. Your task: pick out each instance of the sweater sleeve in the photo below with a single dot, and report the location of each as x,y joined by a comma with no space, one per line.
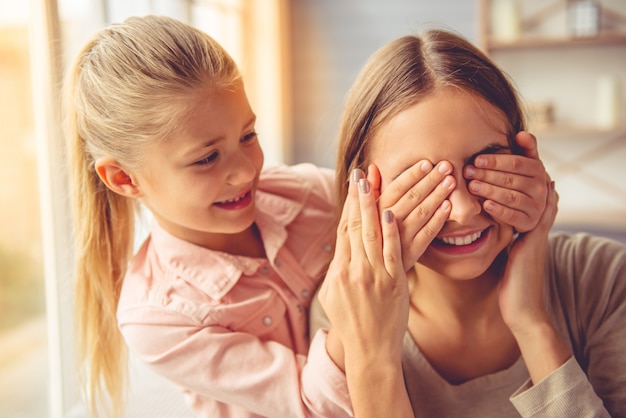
588,282
565,389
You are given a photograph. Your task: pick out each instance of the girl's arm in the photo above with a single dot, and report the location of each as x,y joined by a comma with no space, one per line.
365,295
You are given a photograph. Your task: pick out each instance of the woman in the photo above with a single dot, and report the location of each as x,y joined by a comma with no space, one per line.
499,323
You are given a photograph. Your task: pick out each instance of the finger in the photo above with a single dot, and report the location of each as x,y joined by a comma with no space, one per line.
488,167
355,233
392,250
527,142
373,176
412,186
416,244
370,223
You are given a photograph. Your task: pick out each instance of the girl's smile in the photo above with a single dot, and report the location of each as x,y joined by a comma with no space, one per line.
237,203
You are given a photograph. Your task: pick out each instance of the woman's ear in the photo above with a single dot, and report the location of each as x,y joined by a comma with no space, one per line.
116,178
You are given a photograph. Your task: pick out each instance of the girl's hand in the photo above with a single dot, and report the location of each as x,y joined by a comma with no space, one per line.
366,297
521,297
417,198
514,186
365,293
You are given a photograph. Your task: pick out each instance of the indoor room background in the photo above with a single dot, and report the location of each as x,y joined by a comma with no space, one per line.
298,58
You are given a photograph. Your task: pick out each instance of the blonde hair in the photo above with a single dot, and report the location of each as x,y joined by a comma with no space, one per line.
127,88
403,72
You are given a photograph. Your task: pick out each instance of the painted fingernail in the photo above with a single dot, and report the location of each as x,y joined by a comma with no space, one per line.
364,186
357,174
388,216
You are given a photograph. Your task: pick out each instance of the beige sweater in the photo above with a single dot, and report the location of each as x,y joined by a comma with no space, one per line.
587,298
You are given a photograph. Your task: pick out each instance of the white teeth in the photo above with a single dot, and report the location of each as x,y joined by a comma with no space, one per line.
237,199
468,239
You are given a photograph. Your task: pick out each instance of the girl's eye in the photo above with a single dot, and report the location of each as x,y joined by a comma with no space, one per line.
249,137
207,160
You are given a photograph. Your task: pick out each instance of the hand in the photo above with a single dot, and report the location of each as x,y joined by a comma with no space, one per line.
366,297
417,198
514,186
521,295
365,293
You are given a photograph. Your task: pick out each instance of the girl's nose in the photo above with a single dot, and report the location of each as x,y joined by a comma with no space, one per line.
242,168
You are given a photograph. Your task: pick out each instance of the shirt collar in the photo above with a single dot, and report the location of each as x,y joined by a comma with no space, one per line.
216,272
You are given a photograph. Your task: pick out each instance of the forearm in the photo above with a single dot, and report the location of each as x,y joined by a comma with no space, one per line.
543,350
386,398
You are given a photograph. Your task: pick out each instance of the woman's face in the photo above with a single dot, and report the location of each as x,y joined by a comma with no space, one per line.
455,126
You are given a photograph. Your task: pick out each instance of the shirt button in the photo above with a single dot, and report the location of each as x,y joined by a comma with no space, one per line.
277,262
267,321
327,248
304,293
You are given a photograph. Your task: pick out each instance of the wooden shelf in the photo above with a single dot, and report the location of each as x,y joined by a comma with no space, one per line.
605,39
577,131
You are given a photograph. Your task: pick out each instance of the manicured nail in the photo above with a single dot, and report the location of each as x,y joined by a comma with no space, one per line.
388,216
357,174
364,186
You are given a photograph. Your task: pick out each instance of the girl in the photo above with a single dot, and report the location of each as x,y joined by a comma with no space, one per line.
498,326
216,299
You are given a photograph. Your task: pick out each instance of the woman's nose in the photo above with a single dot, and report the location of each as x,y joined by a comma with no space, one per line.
465,205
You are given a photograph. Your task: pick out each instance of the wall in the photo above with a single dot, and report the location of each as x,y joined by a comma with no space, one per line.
331,41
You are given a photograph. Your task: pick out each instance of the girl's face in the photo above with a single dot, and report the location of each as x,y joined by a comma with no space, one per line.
455,126
201,183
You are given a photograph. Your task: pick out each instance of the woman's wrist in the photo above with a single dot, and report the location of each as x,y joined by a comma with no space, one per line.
542,348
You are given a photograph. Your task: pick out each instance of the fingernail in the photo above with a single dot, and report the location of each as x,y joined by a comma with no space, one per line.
364,186
475,186
426,166
357,174
480,162
447,182
489,206
470,171
444,167
388,216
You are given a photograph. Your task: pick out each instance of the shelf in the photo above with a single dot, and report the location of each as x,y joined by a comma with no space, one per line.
577,131
608,39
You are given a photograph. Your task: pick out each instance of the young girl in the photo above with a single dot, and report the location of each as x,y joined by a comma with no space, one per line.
498,325
216,299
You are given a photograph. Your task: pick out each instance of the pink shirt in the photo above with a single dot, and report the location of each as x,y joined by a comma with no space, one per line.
232,331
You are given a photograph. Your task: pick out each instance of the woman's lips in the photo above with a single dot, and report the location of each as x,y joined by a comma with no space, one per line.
462,244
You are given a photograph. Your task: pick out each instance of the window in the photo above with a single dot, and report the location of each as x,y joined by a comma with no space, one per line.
36,287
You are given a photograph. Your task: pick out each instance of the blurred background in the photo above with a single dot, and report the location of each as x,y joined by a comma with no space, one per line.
298,57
